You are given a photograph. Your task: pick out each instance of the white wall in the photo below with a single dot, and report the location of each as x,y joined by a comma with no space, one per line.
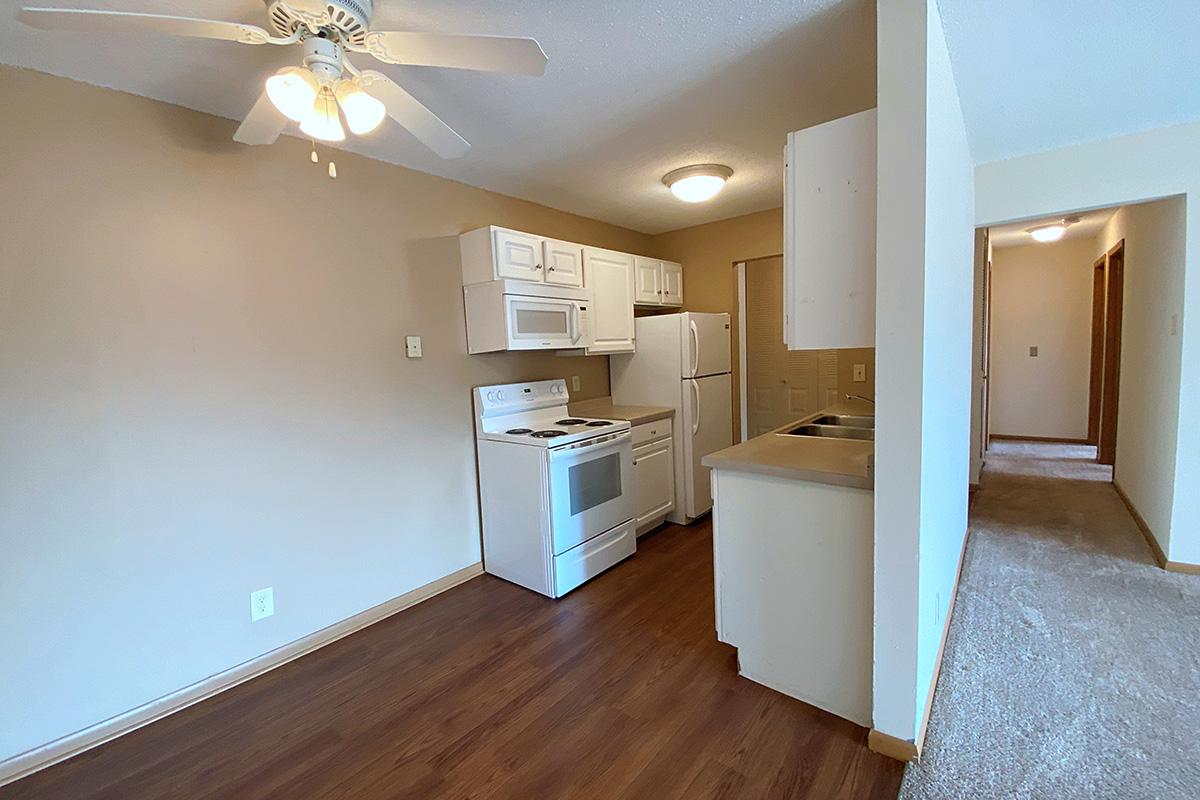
924,303
1127,169
1155,239
1042,297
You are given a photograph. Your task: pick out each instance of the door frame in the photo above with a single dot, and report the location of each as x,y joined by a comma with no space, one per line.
741,293
1114,307
1096,367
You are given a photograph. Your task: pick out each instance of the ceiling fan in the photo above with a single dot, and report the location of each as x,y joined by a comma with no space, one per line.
313,92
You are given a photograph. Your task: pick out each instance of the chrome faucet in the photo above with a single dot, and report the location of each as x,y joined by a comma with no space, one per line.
860,397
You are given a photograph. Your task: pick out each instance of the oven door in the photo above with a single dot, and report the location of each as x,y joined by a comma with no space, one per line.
542,323
591,488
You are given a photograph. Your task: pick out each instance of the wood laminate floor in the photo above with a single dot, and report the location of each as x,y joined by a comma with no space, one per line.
619,690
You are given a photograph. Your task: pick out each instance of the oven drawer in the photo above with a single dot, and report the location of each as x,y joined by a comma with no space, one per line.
589,559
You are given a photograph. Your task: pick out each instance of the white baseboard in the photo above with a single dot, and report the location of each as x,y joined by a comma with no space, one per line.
23,764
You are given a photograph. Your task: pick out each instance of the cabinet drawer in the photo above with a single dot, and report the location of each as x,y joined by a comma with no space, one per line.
651,431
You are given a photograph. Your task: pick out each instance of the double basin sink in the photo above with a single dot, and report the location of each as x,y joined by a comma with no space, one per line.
837,426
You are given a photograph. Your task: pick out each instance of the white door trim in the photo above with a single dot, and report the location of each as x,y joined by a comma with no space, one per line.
741,283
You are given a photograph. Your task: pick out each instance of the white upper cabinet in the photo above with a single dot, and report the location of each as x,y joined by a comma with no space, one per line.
563,261
829,235
672,284
648,281
610,277
657,283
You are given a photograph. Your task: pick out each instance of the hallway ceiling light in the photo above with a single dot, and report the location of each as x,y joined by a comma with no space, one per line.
697,183
1052,232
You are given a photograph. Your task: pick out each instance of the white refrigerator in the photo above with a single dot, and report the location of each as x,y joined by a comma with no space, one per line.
683,361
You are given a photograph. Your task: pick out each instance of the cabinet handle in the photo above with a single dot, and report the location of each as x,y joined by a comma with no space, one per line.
537,266
550,270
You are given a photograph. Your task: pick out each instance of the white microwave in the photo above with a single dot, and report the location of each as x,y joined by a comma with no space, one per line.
519,315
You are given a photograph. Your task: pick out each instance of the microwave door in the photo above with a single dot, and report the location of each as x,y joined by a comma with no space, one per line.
591,489
536,323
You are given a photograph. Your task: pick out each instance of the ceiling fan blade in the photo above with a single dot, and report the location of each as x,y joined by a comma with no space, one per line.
92,21
262,125
413,116
486,53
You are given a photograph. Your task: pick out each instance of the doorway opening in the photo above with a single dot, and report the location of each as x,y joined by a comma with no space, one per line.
777,386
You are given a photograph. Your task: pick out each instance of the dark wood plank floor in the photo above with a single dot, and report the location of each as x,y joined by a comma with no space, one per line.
619,690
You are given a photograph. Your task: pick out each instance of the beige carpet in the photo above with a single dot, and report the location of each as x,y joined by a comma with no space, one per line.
1072,669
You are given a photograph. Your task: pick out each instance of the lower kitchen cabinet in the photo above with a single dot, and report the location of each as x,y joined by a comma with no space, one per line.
653,473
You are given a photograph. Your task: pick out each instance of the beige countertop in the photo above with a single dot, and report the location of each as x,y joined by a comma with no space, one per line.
603,408
842,462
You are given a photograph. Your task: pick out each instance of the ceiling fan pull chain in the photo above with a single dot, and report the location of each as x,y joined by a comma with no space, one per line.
315,160
332,170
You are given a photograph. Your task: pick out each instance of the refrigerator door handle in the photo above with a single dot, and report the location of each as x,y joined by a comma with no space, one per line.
695,407
695,348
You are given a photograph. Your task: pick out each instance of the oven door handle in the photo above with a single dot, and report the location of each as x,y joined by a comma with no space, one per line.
590,447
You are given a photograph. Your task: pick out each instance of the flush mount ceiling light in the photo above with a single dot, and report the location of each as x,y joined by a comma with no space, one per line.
1052,232
697,183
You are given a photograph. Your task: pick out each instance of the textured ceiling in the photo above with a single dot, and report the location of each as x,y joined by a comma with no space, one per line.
1034,75
632,90
1016,234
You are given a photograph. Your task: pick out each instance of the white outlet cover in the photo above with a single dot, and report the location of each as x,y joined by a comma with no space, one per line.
412,346
262,604
574,383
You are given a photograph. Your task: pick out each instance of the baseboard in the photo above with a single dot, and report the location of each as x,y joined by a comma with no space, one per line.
904,749
1013,437
73,744
887,745
1182,567
1159,555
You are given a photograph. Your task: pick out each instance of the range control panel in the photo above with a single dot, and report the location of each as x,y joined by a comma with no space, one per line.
509,398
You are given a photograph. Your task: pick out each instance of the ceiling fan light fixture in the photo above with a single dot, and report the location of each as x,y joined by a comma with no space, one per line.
697,183
322,121
363,112
293,90
1048,233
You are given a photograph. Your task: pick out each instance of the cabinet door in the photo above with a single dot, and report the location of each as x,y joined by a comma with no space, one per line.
563,261
518,255
654,480
829,235
648,281
610,277
672,284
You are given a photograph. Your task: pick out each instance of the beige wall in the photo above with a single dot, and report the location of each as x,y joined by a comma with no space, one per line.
708,253
1147,429
204,393
1041,297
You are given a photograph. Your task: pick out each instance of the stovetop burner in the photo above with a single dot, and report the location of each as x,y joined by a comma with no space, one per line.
571,421
547,434
598,423
518,431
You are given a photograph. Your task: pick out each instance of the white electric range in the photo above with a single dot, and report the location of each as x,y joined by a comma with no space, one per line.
556,491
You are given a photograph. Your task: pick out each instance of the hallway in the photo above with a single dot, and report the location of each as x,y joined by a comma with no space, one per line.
1072,669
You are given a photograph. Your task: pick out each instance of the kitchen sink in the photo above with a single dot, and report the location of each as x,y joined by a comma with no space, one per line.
848,420
841,431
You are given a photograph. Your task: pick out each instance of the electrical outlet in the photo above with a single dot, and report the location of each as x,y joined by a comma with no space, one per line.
860,373
262,604
575,383
1033,352
412,346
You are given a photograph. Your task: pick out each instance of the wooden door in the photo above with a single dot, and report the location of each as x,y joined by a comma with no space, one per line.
1096,371
647,281
1114,291
987,355
564,262
609,275
518,255
672,284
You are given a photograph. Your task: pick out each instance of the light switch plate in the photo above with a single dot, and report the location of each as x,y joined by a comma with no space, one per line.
262,604
575,383
412,346
1033,351
860,373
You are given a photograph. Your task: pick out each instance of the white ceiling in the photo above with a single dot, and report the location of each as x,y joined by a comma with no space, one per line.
1015,234
633,90
1034,75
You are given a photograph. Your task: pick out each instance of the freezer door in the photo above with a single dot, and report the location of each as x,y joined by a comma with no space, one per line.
707,428
706,343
